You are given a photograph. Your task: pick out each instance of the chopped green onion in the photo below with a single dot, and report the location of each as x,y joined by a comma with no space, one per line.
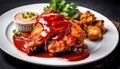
32,14
24,16
14,30
17,32
27,15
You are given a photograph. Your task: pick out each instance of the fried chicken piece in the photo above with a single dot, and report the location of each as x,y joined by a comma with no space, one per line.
74,39
79,33
87,18
72,35
57,46
34,41
69,40
94,33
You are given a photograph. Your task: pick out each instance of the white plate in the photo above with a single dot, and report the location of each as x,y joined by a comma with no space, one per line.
98,49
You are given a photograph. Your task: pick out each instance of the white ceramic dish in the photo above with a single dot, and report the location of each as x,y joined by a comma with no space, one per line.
24,26
98,49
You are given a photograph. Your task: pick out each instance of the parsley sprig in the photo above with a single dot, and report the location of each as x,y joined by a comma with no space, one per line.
63,8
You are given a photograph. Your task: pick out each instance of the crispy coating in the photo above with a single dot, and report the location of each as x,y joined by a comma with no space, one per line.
88,18
57,46
99,24
94,33
33,40
87,21
69,40
76,39
79,33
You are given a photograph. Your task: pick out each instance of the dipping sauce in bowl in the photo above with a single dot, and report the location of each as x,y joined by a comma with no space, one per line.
25,20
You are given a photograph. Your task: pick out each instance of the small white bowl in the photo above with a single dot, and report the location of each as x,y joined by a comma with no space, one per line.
24,25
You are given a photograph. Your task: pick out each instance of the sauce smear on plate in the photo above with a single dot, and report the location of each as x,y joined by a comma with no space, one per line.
75,55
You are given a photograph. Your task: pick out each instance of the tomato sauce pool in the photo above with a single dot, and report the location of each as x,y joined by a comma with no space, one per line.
75,55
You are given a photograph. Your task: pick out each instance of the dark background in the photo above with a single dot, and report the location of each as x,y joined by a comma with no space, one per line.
109,8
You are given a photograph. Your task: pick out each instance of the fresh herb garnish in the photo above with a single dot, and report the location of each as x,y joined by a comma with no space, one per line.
61,7
17,32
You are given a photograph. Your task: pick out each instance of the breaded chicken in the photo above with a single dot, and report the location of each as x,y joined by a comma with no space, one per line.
57,46
61,35
74,39
34,39
79,33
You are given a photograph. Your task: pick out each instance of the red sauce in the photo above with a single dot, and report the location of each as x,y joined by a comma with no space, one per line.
57,26
54,23
75,55
20,41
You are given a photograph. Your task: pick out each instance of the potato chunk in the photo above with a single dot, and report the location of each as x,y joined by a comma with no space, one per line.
100,24
87,18
94,33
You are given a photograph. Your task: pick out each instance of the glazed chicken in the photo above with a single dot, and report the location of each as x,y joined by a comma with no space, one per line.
34,41
75,38
55,33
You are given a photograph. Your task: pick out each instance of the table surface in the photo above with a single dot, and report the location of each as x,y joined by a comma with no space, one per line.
109,8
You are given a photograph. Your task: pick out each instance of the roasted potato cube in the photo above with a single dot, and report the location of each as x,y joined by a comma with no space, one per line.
94,33
87,18
100,24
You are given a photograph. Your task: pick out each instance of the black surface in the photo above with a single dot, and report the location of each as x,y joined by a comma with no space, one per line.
109,8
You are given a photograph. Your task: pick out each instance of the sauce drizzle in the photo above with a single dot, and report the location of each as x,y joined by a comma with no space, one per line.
53,23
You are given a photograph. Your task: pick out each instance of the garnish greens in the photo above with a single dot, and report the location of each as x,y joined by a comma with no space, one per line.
27,15
17,32
61,7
